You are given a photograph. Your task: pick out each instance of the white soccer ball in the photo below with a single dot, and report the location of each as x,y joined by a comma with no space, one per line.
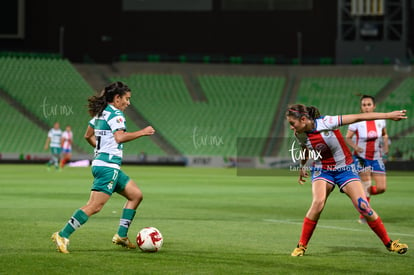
149,239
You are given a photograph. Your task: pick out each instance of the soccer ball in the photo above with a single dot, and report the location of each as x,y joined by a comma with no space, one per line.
149,239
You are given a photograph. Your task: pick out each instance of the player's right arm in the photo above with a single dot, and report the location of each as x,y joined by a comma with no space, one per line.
90,136
47,143
395,115
303,170
49,137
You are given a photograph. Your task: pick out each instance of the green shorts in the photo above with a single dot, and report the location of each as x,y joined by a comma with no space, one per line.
108,180
55,150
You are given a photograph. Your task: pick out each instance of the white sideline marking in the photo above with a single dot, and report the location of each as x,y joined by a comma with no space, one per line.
334,227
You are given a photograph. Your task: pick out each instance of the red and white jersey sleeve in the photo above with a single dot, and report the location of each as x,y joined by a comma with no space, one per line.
326,145
368,137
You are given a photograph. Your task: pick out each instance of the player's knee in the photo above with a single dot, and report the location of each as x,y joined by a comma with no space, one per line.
90,210
318,205
140,196
364,207
135,195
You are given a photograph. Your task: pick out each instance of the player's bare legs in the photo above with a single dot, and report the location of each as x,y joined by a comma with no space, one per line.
366,182
365,176
65,159
320,193
356,193
134,197
380,183
96,202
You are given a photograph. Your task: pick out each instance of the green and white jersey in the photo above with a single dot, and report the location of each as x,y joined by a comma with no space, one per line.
55,136
108,151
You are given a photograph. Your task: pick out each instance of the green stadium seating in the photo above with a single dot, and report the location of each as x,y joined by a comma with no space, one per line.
236,106
52,90
19,134
232,107
401,98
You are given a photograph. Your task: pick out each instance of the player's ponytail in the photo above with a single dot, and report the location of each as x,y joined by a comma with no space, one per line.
313,112
299,110
97,103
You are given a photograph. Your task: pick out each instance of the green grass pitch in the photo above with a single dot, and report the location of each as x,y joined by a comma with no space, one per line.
213,222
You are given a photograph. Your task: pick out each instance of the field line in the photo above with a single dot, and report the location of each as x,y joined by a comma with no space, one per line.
334,227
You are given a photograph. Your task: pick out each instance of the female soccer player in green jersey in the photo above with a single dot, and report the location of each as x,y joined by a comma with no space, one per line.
106,132
53,141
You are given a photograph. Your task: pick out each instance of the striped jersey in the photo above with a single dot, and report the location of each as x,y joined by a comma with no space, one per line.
325,144
67,138
368,137
108,151
55,137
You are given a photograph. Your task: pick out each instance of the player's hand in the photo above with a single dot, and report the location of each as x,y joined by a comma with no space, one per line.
359,150
148,131
303,173
398,115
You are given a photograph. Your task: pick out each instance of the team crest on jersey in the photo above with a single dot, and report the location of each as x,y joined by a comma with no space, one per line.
119,120
326,133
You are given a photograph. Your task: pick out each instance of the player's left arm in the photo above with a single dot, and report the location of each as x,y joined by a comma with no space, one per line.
395,115
121,136
385,141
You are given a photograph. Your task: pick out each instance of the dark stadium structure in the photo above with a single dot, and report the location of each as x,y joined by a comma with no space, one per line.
212,76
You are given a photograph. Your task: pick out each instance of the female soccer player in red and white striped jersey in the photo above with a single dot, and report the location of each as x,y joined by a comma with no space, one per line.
319,135
369,150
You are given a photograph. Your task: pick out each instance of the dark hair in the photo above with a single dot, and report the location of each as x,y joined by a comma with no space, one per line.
300,110
367,96
97,103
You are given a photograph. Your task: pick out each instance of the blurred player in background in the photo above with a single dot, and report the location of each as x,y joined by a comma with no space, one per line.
106,132
53,141
333,165
67,139
369,150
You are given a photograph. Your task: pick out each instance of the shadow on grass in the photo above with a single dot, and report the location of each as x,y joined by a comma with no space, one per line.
347,249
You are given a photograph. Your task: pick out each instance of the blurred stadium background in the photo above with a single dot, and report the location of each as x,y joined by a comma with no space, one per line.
213,77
